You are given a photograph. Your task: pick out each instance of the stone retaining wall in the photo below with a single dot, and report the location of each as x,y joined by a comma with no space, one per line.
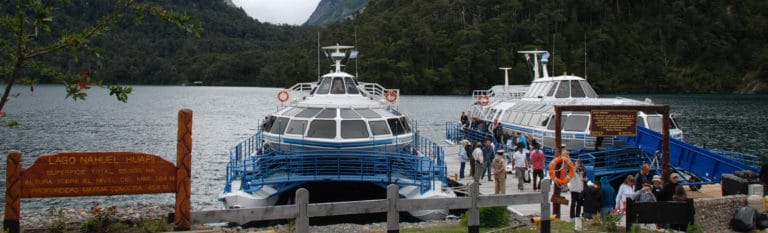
714,214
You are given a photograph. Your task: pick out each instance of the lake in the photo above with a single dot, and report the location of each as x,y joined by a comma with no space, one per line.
223,116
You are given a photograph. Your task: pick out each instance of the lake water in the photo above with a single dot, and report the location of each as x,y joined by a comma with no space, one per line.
223,116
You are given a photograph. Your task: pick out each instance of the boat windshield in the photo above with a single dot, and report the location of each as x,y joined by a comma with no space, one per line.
324,87
351,86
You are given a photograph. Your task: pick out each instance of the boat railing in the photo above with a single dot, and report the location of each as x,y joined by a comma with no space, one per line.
299,90
493,94
377,92
419,164
748,159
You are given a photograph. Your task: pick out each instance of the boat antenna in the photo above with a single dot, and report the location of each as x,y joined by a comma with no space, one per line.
318,56
506,77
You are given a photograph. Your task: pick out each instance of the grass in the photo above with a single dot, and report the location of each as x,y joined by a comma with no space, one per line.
556,226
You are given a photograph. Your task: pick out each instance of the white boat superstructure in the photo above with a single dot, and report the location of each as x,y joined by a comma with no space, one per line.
529,109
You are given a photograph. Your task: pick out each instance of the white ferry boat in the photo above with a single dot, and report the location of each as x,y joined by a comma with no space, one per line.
529,109
335,137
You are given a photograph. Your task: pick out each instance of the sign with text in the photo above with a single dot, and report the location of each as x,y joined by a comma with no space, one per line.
613,123
98,173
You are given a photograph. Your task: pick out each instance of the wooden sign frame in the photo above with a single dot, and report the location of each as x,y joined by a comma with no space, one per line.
73,174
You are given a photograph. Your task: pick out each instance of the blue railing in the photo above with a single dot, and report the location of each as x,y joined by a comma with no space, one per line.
704,163
419,164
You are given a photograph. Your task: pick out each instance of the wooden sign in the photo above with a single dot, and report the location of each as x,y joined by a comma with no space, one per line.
98,173
613,123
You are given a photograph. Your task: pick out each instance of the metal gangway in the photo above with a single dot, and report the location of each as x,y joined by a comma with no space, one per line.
706,165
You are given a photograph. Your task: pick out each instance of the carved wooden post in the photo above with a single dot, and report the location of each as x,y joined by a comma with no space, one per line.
473,223
183,171
545,224
302,202
13,193
393,216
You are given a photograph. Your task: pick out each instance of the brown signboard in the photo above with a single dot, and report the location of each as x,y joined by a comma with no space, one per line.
98,173
613,123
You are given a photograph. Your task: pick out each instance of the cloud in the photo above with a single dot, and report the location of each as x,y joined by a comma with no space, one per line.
294,12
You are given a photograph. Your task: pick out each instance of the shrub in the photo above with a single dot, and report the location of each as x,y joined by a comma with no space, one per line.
497,216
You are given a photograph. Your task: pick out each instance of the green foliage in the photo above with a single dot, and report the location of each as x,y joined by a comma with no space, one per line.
497,216
155,226
692,228
101,221
58,220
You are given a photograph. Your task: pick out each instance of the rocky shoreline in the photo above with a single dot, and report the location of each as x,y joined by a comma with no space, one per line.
40,220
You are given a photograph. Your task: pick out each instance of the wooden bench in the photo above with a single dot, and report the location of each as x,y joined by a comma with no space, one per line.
664,212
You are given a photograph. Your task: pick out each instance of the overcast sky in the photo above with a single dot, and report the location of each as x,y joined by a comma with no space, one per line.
293,12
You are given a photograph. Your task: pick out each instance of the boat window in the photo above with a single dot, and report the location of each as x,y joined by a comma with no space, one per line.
535,119
512,116
640,121
396,126
406,126
655,123
497,115
324,87
309,112
292,112
672,123
351,87
526,118
395,112
338,86
268,121
353,129
546,120
379,128
518,118
490,114
296,127
322,129
588,89
563,119
279,126
367,113
552,89
576,90
327,113
563,90
576,123
349,114
505,116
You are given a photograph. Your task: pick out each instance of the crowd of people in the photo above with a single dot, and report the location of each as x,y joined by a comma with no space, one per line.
588,198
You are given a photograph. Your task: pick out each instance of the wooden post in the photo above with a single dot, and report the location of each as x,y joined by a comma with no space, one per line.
12,216
665,171
545,224
473,223
302,202
183,172
558,151
393,216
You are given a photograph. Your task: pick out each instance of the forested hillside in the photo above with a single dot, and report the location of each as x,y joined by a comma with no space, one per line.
451,46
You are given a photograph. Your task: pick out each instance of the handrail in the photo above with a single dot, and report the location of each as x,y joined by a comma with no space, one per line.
420,164
378,92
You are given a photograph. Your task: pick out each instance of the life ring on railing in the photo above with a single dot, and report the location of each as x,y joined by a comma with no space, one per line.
483,100
283,96
391,96
564,178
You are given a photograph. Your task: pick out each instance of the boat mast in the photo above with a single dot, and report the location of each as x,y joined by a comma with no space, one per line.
506,77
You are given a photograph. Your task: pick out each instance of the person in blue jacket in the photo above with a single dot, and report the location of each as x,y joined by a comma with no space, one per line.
609,197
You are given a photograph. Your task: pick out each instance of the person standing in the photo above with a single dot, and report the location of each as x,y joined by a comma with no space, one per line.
464,120
462,158
478,155
656,188
669,188
593,200
488,158
626,190
644,176
609,197
499,173
537,162
520,164
576,186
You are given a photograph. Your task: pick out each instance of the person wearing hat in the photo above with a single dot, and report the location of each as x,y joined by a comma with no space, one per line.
477,153
520,163
499,173
656,188
669,188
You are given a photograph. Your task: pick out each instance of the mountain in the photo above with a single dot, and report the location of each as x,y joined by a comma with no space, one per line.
332,11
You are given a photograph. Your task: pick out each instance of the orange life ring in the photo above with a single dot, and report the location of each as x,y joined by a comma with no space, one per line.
283,96
564,178
483,100
391,96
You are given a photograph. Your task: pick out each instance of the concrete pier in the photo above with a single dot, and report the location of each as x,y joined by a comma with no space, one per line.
486,187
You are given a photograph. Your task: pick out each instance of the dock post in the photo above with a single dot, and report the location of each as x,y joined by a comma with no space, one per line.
473,223
12,218
545,224
393,216
302,202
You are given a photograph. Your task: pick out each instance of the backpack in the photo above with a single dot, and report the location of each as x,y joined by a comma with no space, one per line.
745,219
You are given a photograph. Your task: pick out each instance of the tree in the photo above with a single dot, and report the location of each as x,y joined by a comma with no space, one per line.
28,37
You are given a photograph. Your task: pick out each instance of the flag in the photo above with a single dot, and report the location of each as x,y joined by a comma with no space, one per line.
353,54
